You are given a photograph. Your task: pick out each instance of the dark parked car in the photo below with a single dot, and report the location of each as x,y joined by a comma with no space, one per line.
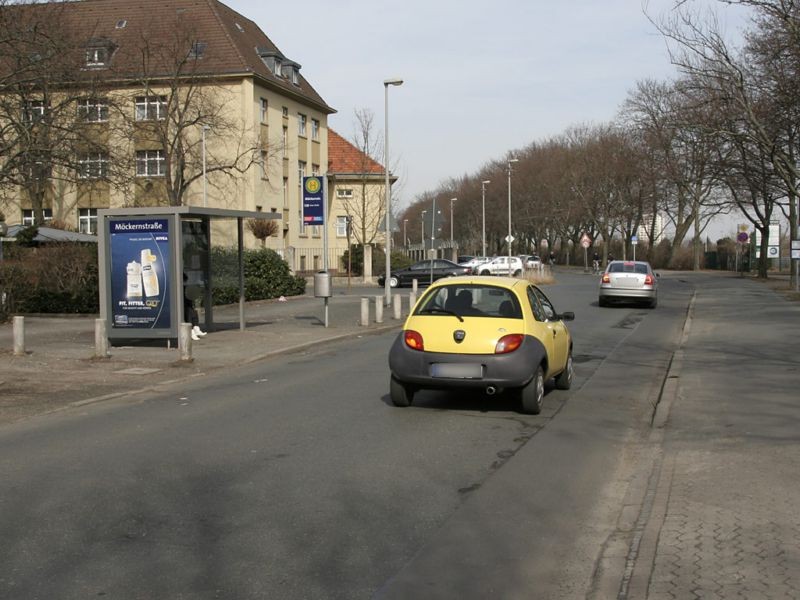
423,272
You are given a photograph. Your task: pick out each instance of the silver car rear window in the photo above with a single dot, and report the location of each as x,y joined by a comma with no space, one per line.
620,267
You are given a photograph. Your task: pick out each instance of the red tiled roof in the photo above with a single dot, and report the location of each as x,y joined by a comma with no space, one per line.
344,157
232,39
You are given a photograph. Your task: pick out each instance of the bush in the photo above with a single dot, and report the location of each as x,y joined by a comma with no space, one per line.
51,278
266,275
399,260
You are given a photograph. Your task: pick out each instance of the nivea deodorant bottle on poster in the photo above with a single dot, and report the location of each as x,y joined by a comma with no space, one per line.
149,275
134,280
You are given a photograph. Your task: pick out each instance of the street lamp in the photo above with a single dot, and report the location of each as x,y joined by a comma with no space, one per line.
483,215
405,239
388,193
508,239
205,183
422,239
451,222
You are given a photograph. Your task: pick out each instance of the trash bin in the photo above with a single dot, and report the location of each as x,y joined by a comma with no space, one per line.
322,284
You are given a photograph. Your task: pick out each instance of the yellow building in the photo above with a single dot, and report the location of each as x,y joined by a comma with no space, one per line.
181,102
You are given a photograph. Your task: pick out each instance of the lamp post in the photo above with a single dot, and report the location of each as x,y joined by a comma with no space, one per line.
452,200
508,239
388,192
205,183
422,239
405,239
483,215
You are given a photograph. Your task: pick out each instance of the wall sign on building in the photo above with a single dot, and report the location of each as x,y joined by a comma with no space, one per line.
139,273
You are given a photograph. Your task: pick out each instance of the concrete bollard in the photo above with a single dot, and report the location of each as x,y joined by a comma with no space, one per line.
379,309
364,311
19,336
100,339
412,300
185,341
414,284
398,308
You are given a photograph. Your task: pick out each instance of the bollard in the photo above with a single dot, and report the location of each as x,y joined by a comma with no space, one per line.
185,341
100,339
364,311
414,286
19,336
379,309
398,309
412,300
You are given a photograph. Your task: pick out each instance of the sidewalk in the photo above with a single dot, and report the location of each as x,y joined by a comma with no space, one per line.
59,370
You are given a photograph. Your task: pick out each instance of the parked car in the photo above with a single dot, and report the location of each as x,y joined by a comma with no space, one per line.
478,260
629,280
492,334
462,260
500,265
423,271
531,261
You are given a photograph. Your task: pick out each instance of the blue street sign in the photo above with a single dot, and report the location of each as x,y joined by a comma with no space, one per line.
313,201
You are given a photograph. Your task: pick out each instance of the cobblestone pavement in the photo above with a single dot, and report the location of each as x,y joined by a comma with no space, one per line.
729,485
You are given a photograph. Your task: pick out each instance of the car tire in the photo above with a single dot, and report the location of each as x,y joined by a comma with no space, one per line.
485,272
401,395
602,302
394,282
531,396
517,273
653,303
564,379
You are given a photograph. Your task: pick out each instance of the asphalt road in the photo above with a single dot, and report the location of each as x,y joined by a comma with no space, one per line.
296,478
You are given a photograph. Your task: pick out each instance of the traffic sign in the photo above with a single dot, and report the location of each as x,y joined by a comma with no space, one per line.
510,239
634,240
742,237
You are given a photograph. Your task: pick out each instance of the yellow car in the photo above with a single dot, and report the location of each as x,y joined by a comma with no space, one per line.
490,333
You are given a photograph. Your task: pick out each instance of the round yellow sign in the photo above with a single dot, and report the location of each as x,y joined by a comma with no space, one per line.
313,185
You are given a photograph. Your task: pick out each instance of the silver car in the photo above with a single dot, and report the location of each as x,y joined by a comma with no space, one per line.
629,280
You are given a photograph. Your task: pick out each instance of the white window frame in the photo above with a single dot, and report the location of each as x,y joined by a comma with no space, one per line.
315,129
264,107
301,171
97,56
87,220
93,110
344,193
285,134
301,124
341,226
150,163
93,165
27,216
33,110
151,108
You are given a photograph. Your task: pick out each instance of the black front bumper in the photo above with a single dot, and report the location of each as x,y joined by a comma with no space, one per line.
511,370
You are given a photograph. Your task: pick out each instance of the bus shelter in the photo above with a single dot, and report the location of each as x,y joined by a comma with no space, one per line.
151,258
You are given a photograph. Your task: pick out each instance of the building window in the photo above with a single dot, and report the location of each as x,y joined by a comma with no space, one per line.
285,111
27,216
264,106
344,193
93,110
197,50
314,169
285,192
97,57
295,76
33,111
301,124
278,66
264,161
150,163
87,220
341,226
315,129
93,165
151,108
301,172
285,144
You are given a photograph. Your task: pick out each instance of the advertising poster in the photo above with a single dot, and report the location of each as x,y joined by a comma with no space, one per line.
140,259
313,201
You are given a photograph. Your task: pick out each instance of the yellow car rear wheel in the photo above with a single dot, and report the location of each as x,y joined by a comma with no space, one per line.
532,394
401,395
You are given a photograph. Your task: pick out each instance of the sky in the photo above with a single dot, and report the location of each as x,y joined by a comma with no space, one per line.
480,78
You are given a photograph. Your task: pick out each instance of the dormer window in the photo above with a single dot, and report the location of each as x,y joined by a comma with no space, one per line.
278,68
98,52
295,76
197,50
279,65
239,27
121,24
